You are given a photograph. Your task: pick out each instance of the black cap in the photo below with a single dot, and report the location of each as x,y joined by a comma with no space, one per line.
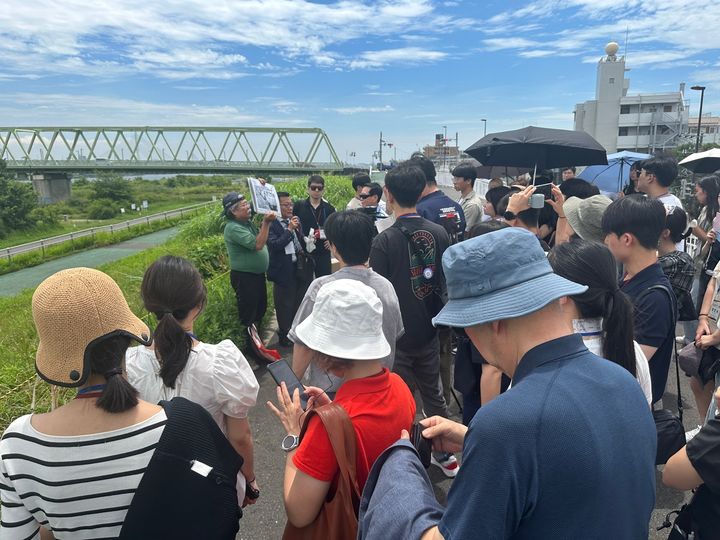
232,198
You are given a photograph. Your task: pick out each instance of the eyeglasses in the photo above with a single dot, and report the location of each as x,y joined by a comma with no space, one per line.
317,188
364,196
286,205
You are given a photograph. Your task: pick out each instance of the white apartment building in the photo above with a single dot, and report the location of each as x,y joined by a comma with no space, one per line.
709,129
640,122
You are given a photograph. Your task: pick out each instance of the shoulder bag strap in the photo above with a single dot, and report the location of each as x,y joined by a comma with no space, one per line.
342,437
673,306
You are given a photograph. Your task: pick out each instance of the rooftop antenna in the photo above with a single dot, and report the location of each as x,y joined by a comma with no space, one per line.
627,31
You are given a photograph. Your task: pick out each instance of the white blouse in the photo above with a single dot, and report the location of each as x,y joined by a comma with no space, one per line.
217,377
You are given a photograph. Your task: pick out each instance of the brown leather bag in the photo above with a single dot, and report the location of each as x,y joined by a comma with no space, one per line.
337,519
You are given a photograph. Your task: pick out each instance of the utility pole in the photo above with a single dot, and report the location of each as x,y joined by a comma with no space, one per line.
381,145
702,95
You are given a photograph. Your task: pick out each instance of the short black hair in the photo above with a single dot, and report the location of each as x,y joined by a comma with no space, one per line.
466,171
282,194
569,169
316,179
485,227
375,189
426,166
351,232
406,183
664,168
360,179
577,187
495,195
638,215
530,217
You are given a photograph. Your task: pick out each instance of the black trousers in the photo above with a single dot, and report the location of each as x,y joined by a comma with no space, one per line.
287,298
250,295
323,267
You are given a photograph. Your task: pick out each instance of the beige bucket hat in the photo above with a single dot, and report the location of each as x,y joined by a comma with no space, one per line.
71,310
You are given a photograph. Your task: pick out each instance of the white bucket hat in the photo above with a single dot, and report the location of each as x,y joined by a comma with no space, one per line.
346,322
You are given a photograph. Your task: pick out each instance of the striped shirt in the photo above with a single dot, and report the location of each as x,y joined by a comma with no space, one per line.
79,487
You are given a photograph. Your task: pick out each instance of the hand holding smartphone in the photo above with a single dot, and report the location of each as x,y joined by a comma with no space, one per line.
421,444
281,371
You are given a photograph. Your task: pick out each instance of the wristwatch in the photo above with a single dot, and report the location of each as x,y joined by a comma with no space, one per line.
290,442
508,215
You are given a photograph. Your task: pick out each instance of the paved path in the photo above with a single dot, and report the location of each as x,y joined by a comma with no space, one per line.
15,282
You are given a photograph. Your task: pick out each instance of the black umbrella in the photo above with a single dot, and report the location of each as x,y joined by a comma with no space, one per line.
536,147
494,171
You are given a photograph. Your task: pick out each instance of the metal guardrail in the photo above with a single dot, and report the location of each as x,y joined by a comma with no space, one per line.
9,252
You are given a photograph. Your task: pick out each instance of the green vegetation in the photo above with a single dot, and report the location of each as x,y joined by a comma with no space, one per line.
199,240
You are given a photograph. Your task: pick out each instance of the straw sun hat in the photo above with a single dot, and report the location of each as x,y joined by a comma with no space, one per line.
72,309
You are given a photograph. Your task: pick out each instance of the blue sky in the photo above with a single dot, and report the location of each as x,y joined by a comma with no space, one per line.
352,68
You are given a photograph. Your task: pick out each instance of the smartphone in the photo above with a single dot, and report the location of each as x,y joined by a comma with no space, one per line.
421,444
281,371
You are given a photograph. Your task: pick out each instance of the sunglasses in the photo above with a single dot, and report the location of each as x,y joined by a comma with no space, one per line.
317,188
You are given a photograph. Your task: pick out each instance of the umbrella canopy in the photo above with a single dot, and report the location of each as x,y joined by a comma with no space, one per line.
490,171
543,148
613,176
703,162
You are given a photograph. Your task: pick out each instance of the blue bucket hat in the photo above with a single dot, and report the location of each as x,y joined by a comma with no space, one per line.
500,275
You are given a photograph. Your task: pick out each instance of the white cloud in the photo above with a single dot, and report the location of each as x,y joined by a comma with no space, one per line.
662,30
77,110
109,38
360,110
404,55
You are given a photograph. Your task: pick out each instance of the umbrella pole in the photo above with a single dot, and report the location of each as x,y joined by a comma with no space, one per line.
534,173
620,178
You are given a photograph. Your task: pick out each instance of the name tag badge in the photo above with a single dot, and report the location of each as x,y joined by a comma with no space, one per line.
200,468
715,308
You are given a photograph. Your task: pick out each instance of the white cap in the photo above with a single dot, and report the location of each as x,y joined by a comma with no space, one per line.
346,322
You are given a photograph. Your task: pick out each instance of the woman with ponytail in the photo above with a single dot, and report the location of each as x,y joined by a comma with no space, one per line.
602,314
218,377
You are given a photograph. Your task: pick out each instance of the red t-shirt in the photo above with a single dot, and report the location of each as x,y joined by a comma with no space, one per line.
378,406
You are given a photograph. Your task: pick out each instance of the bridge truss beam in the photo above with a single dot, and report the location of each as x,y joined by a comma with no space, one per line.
167,149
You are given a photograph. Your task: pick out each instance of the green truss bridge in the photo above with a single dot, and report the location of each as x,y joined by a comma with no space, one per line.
51,155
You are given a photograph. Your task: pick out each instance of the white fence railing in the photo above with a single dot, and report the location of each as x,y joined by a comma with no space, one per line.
9,252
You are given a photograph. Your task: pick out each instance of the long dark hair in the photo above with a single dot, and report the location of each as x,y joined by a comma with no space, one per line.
106,355
711,186
592,264
171,287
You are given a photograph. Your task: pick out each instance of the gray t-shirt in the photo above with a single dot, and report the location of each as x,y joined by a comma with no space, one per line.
392,319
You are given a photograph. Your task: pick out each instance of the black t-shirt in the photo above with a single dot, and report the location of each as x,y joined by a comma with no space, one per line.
313,218
654,320
420,299
703,451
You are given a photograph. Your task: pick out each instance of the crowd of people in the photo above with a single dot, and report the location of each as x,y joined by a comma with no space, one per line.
546,312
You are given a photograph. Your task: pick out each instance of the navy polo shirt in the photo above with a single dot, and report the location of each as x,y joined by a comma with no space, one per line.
436,206
567,452
654,321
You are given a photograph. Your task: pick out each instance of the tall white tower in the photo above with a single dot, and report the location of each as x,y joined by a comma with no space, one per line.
610,88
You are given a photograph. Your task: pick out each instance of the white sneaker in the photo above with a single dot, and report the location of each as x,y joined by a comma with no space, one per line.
690,434
447,462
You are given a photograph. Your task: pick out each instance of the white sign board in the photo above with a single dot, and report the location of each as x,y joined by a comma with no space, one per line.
264,197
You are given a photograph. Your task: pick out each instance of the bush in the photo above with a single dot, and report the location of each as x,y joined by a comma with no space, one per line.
113,187
17,201
102,209
210,222
45,216
209,256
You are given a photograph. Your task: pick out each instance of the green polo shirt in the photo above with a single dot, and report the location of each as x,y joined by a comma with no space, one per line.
240,242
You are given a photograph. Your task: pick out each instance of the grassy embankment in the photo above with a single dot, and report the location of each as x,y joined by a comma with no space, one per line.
200,240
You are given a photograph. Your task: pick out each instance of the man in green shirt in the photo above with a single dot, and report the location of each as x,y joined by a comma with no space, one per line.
248,257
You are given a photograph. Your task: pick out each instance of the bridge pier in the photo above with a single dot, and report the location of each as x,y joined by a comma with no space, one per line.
51,187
